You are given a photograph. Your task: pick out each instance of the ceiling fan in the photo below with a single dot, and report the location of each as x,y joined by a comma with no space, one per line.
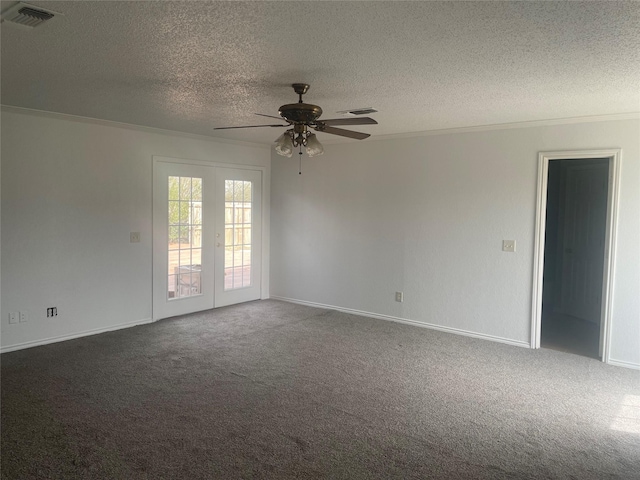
304,117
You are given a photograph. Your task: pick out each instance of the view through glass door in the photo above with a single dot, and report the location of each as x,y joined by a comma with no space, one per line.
183,205
207,237
238,236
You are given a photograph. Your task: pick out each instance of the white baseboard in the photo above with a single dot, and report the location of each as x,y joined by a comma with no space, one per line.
62,338
621,363
416,323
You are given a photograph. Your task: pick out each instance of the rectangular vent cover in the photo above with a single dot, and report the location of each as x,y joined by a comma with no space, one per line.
27,15
358,111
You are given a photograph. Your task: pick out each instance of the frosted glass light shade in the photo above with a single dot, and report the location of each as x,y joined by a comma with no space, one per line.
284,145
314,147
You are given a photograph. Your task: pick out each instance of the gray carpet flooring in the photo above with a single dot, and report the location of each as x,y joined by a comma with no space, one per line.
275,390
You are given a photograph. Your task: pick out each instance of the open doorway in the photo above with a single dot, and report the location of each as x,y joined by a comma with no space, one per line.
574,255
575,251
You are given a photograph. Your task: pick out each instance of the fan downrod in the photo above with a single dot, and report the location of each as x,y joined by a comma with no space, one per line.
300,89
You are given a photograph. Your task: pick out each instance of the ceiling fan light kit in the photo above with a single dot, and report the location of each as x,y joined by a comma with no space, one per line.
314,147
303,117
284,145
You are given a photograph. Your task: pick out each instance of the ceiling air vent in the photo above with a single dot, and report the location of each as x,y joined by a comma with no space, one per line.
358,111
27,15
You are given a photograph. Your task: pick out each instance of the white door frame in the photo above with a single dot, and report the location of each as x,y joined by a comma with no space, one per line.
614,157
264,277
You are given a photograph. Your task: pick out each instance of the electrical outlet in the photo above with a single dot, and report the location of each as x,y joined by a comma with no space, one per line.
52,312
508,245
399,297
13,317
23,316
134,237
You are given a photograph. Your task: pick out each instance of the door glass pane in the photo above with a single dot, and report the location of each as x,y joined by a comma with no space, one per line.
185,188
196,185
196,236
237,213
196,213
174,188
237,258
184,237
174,213
174,238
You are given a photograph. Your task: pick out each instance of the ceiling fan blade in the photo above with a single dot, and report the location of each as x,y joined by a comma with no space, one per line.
343,133
270,116
249,126
349,121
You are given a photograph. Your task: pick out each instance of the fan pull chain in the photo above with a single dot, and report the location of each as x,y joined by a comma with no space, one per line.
300,166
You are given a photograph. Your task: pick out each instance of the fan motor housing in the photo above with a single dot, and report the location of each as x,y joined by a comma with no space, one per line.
300,113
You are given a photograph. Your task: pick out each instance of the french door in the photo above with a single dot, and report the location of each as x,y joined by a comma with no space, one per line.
206,237
238,236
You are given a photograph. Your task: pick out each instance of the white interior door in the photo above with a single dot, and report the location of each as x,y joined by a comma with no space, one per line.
238,236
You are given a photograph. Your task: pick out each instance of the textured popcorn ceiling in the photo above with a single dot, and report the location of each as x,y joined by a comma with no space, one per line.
192,66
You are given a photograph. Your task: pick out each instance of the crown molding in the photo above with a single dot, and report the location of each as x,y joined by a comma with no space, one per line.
337,141
127,126
508,126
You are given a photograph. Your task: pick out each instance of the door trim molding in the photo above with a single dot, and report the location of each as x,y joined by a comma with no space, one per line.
614,155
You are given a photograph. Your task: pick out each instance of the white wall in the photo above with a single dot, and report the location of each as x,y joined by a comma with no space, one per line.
422,215
71,192
427,216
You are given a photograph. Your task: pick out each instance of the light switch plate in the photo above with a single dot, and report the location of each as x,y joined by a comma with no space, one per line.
508,245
